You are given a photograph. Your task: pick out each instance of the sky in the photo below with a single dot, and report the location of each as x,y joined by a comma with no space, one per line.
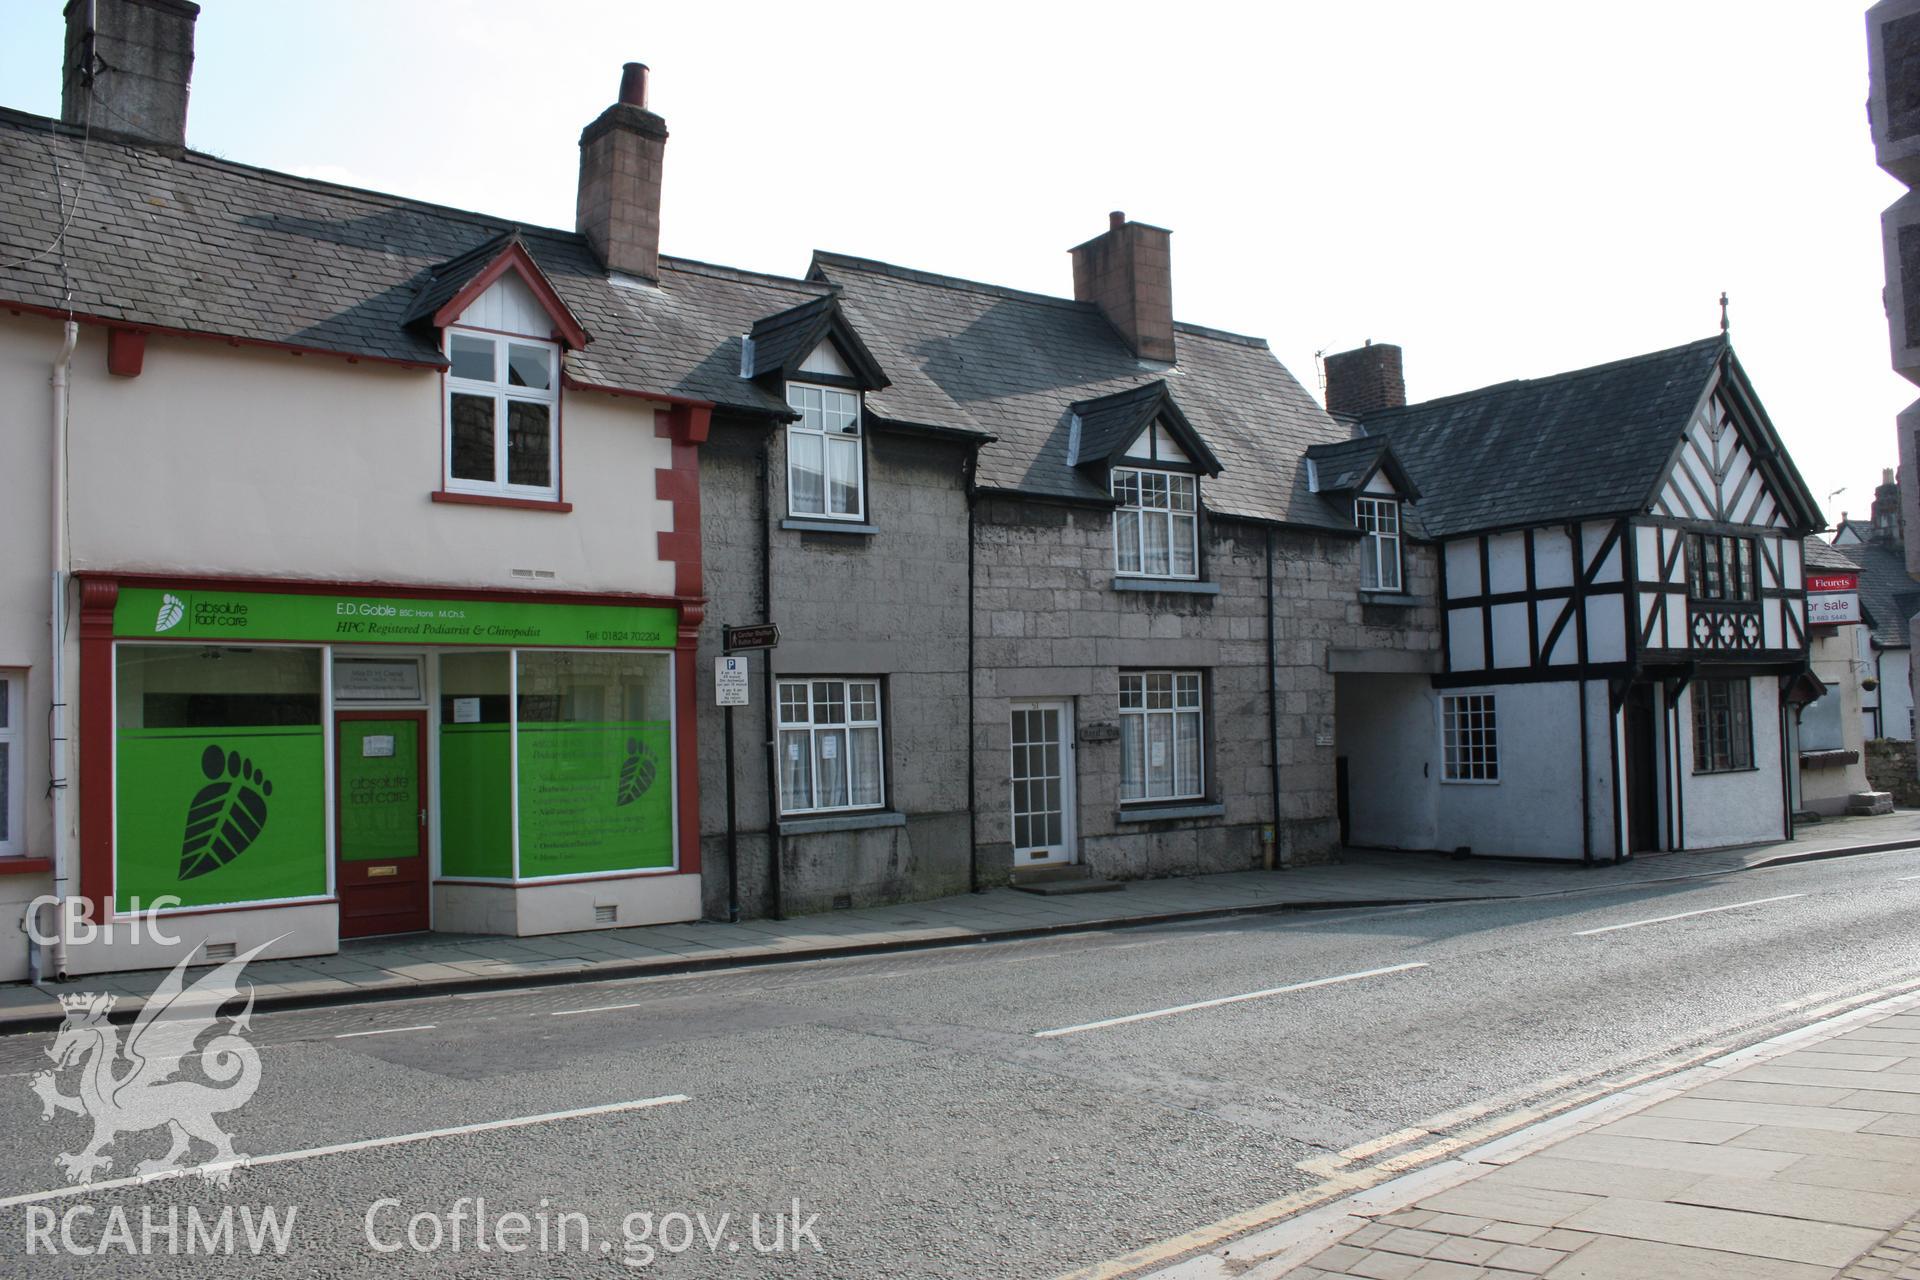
1503,189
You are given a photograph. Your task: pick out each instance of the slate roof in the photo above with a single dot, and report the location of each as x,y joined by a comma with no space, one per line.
1861,529
1010,363
1821,554
189,242
1345,467
186,242
1889,596
1589,443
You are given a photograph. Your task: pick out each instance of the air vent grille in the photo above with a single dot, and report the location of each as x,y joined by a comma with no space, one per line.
609,914
219,951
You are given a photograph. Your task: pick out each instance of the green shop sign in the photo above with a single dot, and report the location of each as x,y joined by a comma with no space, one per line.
186,614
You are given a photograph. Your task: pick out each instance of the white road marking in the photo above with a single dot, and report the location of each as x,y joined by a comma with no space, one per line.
1684,915
598,1008
1910,877
1214,1004
339,1148
386,1031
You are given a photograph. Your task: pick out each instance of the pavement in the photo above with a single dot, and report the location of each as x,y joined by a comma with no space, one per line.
1795,1159
441,963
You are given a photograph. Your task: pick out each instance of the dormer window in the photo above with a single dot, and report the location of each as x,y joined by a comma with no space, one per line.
1156,528
502,396
1378,520
825,468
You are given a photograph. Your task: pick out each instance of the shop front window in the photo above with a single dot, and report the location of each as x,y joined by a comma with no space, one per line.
219,774
594,733
476,765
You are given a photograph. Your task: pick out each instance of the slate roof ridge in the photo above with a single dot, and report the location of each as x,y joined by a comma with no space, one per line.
915,275
1611,366
806,289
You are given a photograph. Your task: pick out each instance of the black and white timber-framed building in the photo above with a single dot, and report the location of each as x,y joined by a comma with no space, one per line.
1623,618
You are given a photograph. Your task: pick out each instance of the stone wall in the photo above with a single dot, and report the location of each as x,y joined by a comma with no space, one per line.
890,604
1050,623
1891,767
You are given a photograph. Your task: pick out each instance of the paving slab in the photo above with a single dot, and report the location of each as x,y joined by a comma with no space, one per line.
1611,1258
1756,1235
1792,1200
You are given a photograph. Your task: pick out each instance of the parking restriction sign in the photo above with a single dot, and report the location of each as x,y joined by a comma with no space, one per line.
730,682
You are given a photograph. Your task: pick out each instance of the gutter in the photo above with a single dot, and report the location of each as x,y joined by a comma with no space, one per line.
57,629
973,764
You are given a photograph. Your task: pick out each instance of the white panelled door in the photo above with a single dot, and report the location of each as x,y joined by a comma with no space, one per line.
1042,783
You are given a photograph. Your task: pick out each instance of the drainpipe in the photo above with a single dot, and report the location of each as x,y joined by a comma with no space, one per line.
774,839
973,799
57,628
1273,717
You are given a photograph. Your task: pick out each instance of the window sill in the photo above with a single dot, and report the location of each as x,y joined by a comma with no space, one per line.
1716,773
863,821
489,500
1395,599
1182,586
1469,782
1168,812
13,864
805,525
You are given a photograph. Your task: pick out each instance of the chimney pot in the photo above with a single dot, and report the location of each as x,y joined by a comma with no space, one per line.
633,84
1116,220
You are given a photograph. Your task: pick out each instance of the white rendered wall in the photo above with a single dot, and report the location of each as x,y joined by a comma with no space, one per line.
1534,810
1385,728
1825,789
232,461
1743,807
27,351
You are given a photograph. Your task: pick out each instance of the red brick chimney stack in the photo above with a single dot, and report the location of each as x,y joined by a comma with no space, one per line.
1365,379
1127,273
620,158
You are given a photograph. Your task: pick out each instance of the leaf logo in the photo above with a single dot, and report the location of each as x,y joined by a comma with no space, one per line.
171,611
637,772
227,814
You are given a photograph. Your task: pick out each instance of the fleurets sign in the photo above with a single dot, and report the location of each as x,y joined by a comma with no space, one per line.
186,614
1833,599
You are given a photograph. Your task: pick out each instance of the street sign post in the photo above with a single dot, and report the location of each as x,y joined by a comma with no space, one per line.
764,635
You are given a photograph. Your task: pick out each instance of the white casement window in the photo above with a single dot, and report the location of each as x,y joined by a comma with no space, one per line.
829,745
1379,520
503,402
1160,727
1469,738
1156,529
824,466
13,763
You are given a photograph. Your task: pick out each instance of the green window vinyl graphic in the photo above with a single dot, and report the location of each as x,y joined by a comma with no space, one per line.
595,797
220,816
180,613
476,808
379,783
